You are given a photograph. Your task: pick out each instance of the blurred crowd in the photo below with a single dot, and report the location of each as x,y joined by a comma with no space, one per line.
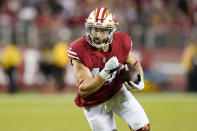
41,30
151,22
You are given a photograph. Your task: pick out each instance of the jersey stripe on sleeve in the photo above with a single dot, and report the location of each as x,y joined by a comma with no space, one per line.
72,55
71,52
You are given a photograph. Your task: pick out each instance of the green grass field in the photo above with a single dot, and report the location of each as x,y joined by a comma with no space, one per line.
41,112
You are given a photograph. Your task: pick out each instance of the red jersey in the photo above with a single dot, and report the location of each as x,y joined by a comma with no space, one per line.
82,51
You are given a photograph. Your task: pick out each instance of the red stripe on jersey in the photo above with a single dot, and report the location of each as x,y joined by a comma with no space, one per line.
103,15
98,11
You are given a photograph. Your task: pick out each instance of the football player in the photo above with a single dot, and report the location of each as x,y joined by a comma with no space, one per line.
97,59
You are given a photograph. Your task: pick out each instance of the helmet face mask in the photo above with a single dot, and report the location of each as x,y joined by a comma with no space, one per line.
100,36
100,20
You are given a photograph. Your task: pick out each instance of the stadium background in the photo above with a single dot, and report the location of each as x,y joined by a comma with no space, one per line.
34,35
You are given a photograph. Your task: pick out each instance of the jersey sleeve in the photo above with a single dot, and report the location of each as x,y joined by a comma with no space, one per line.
73,52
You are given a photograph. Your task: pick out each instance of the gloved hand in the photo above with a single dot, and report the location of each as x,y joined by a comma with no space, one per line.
111,65
134,87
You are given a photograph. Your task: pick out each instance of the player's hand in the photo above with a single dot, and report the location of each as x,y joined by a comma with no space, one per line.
111,65
134,87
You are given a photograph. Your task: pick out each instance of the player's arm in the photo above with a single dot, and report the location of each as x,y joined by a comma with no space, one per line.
131,85
131,59
85,82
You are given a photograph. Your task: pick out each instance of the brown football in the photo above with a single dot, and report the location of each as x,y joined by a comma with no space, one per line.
129,73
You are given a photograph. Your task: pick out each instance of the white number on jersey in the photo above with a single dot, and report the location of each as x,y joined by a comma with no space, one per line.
95,71
111,77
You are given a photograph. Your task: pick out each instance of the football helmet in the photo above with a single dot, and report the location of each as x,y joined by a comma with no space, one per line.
101,18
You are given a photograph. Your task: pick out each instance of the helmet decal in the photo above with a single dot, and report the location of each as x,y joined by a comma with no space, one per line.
100,14
97,15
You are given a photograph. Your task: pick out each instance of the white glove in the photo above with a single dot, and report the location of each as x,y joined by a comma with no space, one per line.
111,65
134,87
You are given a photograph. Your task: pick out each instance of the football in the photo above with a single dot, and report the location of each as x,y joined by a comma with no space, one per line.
129,73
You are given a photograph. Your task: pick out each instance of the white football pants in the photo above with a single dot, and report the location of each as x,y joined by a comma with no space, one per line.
100,117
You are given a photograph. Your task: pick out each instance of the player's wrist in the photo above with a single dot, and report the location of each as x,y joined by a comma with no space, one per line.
104,74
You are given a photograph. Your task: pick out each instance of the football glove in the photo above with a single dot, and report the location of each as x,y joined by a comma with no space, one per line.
111,65
134,87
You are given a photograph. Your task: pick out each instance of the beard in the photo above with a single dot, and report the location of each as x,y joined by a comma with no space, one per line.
98,40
